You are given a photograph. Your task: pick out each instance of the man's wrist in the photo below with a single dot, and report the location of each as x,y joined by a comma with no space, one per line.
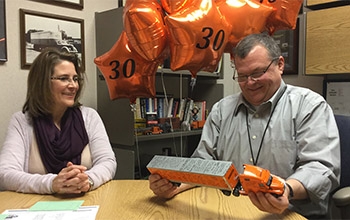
291,192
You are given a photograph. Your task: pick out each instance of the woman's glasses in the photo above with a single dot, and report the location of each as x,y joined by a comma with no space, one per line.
67,80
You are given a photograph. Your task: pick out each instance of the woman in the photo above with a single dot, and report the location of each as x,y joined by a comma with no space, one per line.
55,145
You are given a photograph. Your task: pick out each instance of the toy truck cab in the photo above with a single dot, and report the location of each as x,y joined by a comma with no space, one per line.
256,179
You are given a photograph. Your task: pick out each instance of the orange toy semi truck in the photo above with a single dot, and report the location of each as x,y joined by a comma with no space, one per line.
218,174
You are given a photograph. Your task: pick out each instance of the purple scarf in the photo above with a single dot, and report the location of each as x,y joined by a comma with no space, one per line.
57,147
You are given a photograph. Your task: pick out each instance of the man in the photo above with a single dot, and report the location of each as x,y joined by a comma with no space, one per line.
288,130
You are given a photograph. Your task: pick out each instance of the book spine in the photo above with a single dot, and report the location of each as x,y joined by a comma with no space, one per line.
170,107
204,110
182,109
175,107
188,111
137,112
143,107
160,110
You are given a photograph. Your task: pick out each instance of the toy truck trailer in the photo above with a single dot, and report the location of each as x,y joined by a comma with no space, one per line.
196,171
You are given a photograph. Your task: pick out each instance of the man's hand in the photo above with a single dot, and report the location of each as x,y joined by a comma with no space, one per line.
71,179
269,203
162,187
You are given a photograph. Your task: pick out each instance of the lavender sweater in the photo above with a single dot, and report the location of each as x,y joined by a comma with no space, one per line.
14,156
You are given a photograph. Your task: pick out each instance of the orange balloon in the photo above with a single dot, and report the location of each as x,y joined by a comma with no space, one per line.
172,6
198,36
145,28
245,17
285,16
127,74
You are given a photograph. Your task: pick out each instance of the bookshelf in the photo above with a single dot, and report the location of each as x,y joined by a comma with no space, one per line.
117,115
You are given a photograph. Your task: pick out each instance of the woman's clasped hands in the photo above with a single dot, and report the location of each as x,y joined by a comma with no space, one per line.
71,180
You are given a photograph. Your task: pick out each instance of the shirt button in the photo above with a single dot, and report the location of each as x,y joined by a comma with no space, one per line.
256,115
251,159
254,137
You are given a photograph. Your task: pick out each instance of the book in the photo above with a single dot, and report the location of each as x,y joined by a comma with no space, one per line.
151,120
188,111
174,111
137,111
160,109
201,108
143,107
150,106
181,110
170,107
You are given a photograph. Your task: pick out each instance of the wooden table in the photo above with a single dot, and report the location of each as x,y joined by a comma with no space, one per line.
132,199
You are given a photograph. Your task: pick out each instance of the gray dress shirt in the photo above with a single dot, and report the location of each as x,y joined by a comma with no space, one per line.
301,141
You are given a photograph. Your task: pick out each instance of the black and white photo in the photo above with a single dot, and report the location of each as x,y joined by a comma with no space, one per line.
40,30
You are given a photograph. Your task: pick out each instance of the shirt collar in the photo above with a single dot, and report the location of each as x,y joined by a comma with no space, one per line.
273,100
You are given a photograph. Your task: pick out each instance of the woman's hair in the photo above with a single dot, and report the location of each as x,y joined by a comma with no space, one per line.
243,48
39,100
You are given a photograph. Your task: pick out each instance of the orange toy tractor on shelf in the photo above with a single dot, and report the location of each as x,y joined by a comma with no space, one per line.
153,130
197,124
256,179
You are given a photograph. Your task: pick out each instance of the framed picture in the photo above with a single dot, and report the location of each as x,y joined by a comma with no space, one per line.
70,3
3,47
39,30
336,91
76,4
121,3
288,40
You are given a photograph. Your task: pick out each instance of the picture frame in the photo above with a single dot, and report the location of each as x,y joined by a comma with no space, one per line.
120,3
336,91
288,41
70,3
39,30
75,4
3,39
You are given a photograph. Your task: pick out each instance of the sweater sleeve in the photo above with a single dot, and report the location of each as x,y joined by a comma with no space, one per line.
14,158
104,163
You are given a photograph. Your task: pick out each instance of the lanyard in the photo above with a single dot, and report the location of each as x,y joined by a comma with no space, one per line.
255,161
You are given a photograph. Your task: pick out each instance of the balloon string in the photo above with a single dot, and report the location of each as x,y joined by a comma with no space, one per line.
133,109
138,153
170,119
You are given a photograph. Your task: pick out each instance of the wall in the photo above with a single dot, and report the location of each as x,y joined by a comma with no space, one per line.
314,82
13,78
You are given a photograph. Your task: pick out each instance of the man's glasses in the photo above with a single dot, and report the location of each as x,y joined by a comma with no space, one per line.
254,76
67,80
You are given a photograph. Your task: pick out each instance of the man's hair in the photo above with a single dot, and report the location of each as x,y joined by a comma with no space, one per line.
39,100
248,43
